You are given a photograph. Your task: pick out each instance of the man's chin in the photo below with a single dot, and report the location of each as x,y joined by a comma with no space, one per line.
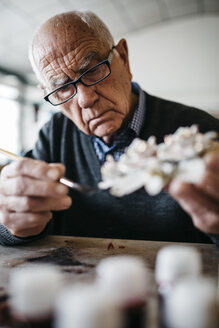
104,132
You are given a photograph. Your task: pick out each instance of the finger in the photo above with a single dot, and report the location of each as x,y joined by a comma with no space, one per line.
59,166
209,184
34,204
32,187
203,210
25,224
31,232
33,168
212,161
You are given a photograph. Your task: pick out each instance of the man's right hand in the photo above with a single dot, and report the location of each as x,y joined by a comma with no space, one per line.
29,191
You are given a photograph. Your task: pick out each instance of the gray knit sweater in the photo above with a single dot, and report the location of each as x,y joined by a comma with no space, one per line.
135,216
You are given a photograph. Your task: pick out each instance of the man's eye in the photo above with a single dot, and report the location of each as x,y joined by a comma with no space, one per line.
67,88
93,73
64,93
94,70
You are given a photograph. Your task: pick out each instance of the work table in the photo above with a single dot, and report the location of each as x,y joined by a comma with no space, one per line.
70,252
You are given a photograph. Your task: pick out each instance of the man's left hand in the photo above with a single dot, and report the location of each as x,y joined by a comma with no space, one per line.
201,200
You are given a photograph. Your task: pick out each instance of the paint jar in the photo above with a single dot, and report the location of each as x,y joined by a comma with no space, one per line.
193,303
173,263
127,279
32,292
85,306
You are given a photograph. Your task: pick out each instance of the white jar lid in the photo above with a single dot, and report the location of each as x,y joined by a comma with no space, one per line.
125,276
33,289
175,261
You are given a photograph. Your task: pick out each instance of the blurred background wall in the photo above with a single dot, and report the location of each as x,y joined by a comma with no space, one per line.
173,49
179,60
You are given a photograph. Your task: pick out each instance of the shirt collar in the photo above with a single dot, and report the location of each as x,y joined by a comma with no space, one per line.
128,134
138,118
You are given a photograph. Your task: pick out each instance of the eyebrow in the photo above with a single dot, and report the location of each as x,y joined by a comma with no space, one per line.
59,82
56,82
87,60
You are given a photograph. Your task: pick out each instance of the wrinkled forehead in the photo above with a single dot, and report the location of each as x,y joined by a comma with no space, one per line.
56,39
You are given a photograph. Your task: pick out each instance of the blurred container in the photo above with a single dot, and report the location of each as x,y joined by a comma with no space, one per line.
84,306
173,263
126,277
193,303
32,292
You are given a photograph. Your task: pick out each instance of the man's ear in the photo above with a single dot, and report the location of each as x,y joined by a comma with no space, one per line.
122,49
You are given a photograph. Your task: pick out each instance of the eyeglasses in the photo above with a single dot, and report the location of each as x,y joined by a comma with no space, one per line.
90,77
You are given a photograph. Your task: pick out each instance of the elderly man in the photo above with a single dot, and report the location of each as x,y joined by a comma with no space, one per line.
83,72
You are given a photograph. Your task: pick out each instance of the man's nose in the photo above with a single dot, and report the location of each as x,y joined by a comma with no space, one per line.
87,96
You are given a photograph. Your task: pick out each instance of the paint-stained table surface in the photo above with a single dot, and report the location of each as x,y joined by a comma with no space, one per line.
79,256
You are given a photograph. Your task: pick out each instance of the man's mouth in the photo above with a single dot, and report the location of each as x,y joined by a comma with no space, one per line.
99,119
99,116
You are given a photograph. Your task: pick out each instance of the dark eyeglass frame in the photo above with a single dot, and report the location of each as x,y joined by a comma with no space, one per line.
106,61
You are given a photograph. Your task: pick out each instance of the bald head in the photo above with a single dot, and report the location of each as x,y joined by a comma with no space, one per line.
61,34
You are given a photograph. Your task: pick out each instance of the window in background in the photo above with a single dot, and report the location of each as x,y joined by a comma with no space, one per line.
9,120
